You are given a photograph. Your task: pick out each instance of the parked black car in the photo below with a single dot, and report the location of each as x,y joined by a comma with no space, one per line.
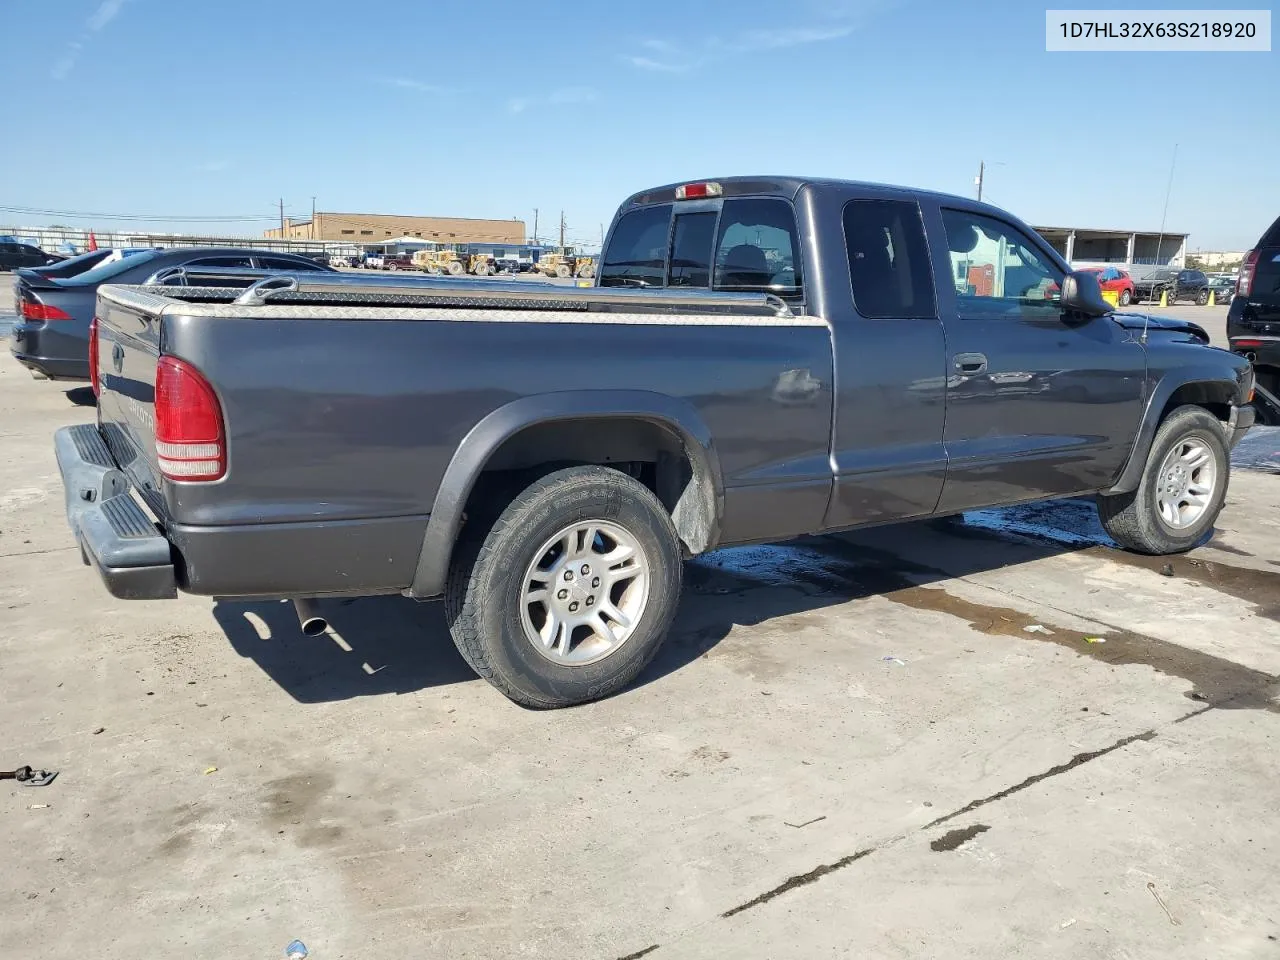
83,263
51,337
14,256
1180,285
1253,322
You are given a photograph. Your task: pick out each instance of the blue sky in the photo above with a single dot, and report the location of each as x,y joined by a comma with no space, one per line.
493,109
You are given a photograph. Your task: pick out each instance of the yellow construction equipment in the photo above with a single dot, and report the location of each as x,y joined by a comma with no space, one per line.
564,265
441,261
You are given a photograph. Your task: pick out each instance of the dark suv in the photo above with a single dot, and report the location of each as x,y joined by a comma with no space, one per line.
1253,322
1179,284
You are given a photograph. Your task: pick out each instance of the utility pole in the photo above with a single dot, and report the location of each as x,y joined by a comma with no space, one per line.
562,226
982,169
602,236
313,218
282,218
535,226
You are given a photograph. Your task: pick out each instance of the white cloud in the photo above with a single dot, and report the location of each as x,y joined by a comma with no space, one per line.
658,66
64,64
103,14
752,41
406,83
518,105
106,12
661,46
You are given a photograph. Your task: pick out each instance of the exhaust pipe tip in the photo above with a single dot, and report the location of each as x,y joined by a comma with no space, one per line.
310,621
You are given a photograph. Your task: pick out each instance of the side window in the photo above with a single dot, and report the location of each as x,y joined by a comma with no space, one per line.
691,249
276,263
220,262
757,248
888,259
1000,272
637,251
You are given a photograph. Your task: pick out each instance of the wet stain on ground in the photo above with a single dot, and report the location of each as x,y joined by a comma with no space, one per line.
176,845
291,800
1258,587
800,880
954,839
1222,547
640,953
1214,680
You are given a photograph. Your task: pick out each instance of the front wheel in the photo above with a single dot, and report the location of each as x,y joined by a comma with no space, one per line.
1182,490
1125,298
563,271
570,592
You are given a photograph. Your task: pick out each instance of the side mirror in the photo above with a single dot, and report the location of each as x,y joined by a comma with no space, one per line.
1081,294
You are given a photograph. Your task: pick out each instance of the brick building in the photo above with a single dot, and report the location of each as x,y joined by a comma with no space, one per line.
379,227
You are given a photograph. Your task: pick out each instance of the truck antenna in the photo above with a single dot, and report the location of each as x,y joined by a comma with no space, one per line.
1146,317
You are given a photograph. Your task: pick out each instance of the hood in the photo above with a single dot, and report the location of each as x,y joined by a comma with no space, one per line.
1136,321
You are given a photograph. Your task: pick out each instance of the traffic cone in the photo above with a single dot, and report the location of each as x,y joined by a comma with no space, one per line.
1164,298
1213,301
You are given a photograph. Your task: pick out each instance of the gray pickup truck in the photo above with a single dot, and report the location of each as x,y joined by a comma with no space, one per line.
760,358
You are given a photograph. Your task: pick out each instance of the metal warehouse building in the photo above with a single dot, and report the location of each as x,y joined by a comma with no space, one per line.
380,227
1132,248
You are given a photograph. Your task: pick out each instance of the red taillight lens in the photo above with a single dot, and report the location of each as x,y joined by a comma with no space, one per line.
190,444
696,191
1244,282
1247,344
93,357
42,311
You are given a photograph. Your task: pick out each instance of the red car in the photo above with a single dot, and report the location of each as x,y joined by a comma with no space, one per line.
1113,278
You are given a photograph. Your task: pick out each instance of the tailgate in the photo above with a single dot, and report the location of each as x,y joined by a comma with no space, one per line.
128,348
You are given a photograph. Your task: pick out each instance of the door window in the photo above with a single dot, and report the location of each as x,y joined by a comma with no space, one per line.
279,263
758,248
637,251
221,262
1000,272
888,259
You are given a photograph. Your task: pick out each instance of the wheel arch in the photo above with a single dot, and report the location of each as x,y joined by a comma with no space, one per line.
696,509
1195,386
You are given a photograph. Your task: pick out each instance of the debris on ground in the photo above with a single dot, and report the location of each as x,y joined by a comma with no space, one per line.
1152,887
798,826
1038,628
100,730
211,770
296,950
1166,570
898,660
1095,639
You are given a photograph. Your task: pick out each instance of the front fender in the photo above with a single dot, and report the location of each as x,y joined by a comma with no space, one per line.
487,436
1232,383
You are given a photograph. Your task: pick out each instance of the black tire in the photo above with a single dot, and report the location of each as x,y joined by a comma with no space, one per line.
1125,298
483,595
1202,298
1133,520
1171,295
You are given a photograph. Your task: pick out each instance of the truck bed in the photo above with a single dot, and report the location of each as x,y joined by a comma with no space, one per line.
346,399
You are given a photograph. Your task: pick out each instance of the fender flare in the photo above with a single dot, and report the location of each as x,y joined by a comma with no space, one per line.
1165,388
484,439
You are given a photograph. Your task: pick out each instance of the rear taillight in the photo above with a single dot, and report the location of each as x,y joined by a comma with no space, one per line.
1244,282
697,191
42,311
190,443
93,357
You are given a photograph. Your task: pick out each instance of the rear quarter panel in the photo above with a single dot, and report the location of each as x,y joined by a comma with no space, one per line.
333,419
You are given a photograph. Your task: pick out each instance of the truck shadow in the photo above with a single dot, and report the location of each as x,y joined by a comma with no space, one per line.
385,645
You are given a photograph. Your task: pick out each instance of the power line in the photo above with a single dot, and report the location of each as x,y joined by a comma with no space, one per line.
158,218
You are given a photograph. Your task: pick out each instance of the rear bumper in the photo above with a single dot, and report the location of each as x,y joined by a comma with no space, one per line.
1262,350
56,355
115,535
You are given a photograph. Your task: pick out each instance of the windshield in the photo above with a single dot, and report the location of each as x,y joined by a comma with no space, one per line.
114,268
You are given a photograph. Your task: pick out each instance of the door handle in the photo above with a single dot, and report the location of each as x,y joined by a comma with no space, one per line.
971,362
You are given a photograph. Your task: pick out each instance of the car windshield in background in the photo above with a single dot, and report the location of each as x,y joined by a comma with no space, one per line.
114,268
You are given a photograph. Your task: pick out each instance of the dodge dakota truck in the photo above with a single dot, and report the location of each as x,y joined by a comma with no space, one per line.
758,359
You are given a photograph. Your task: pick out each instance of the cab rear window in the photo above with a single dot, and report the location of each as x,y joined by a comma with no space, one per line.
748,244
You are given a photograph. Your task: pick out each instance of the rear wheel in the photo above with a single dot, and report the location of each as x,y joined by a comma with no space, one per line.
570,592
1125,298
1182,489
455,269
562,271
1202,298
